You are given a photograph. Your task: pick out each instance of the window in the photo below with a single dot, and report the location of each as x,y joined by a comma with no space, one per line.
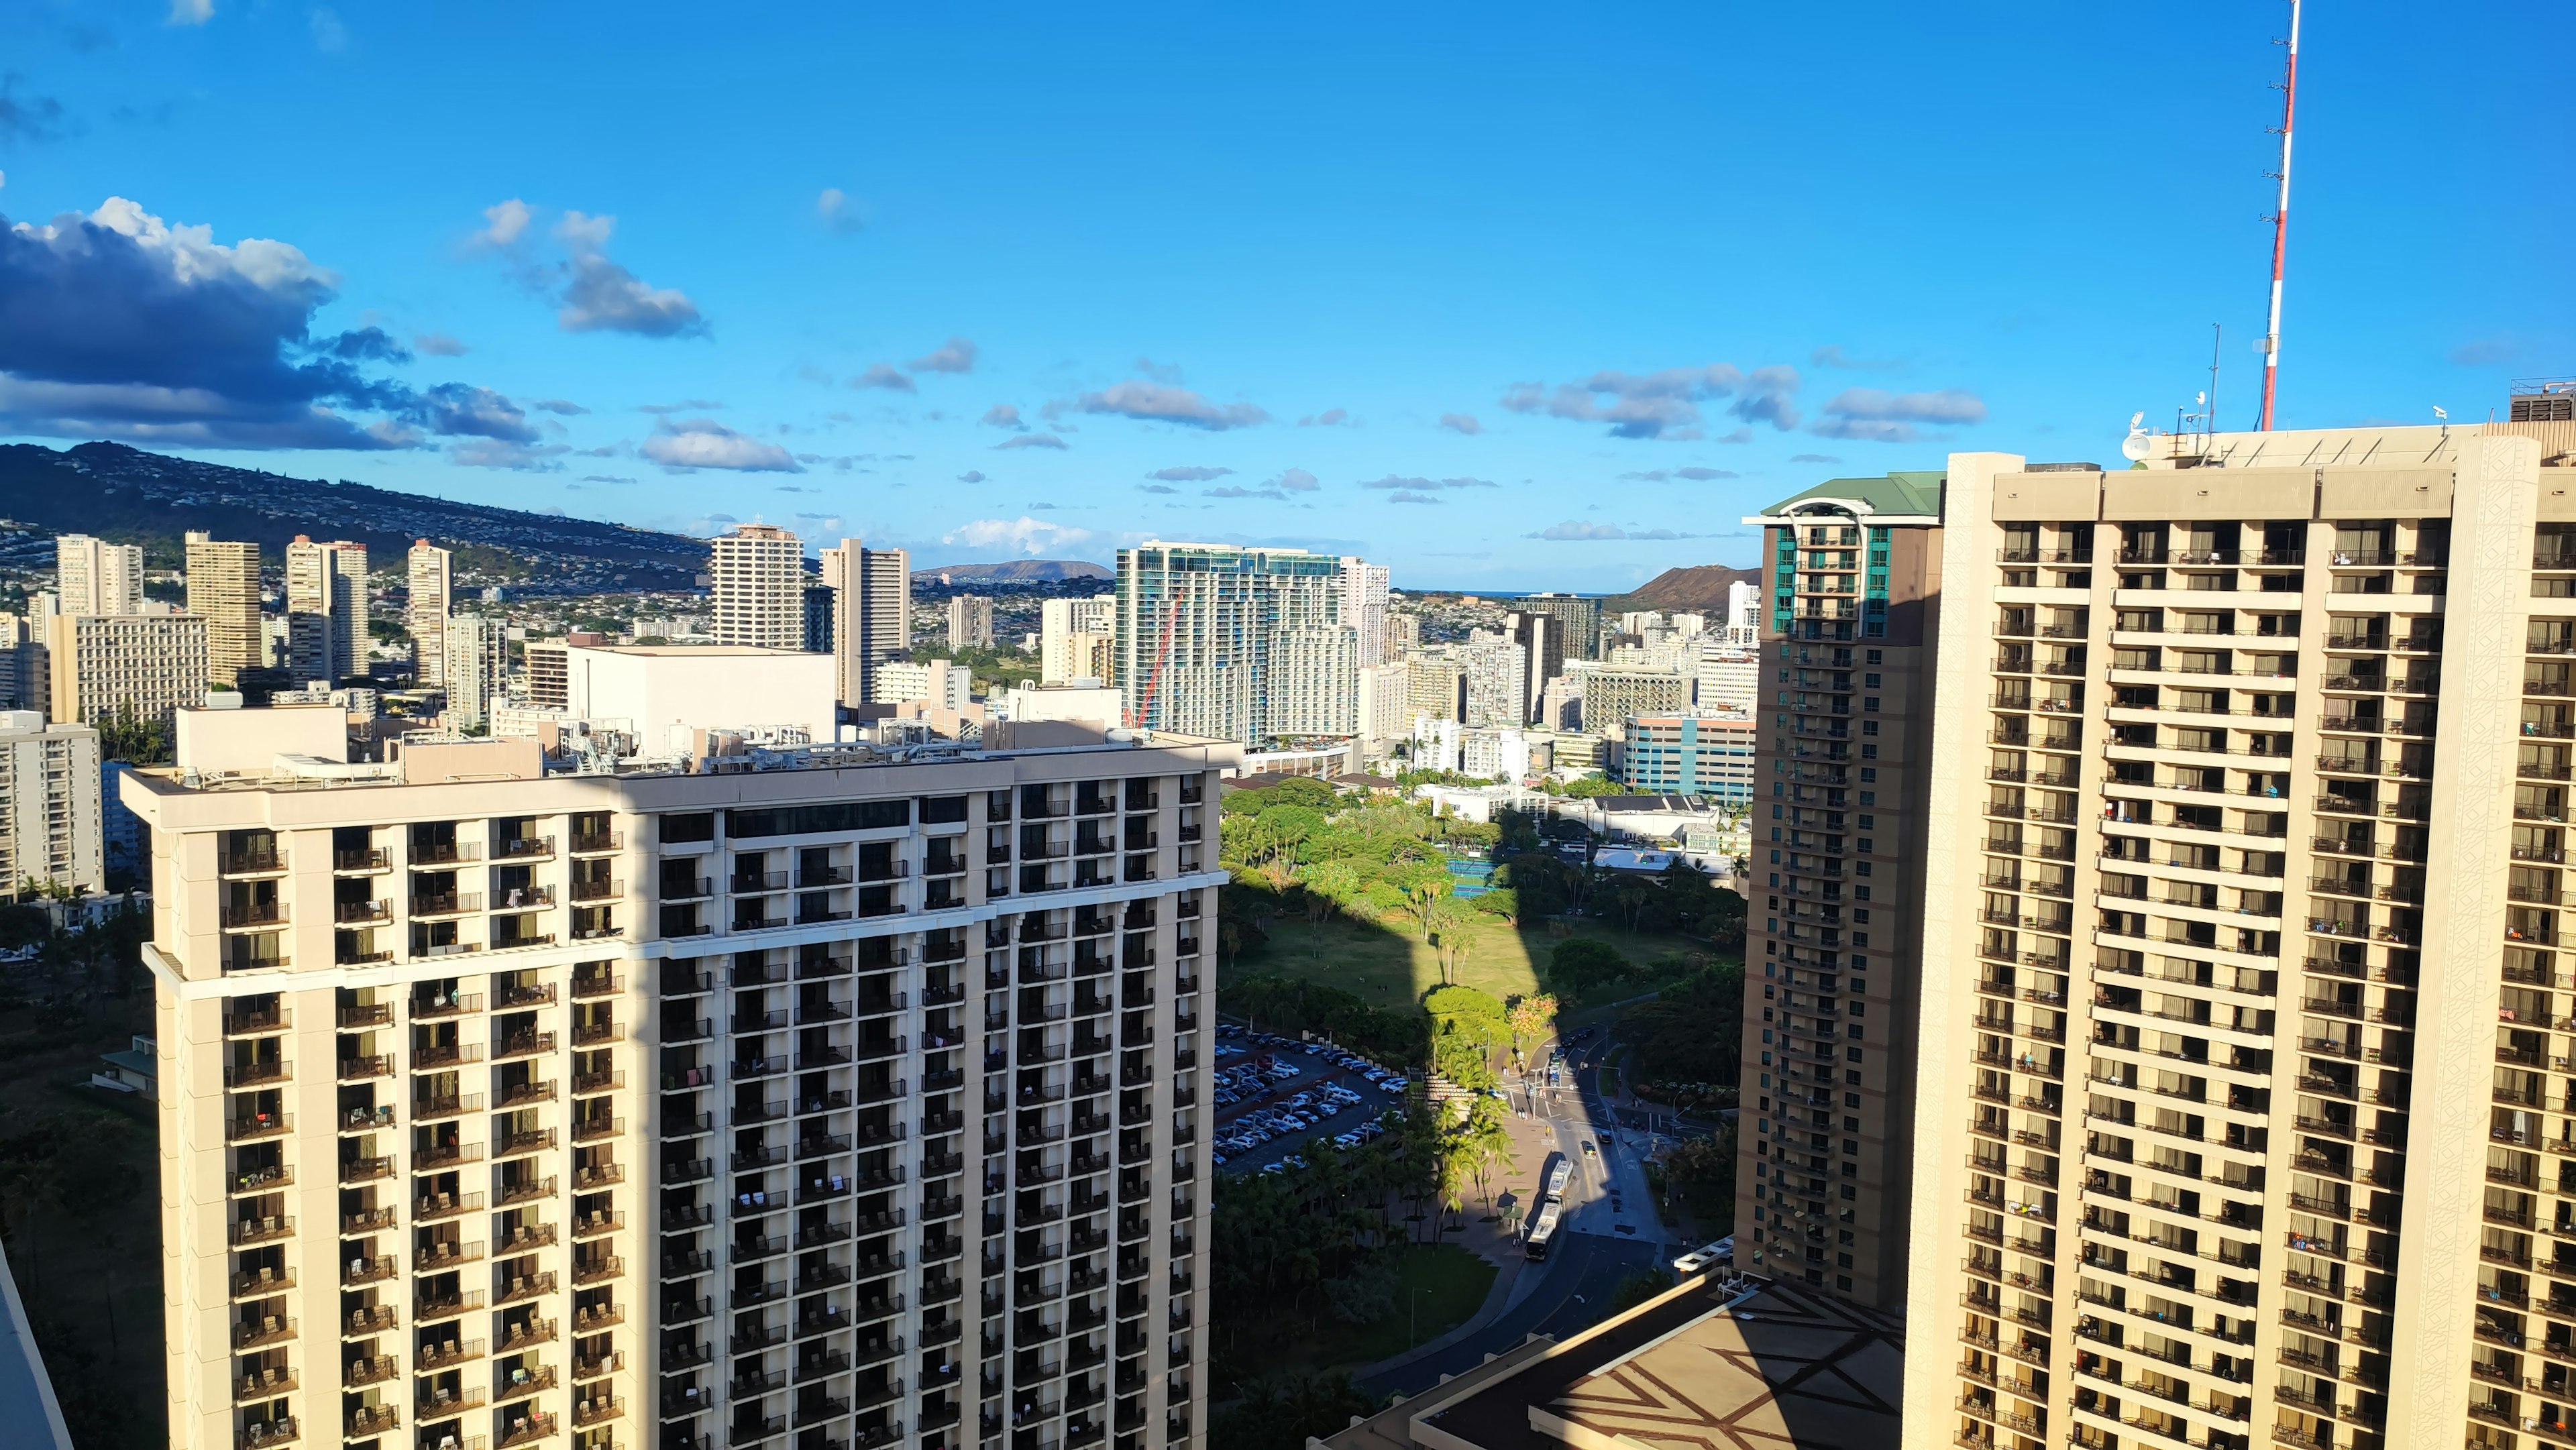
688,827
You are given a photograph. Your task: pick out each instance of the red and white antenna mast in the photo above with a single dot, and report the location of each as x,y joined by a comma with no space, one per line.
2281,222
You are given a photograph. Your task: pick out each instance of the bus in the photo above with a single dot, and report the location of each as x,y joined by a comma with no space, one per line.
1556,1180
1542,1233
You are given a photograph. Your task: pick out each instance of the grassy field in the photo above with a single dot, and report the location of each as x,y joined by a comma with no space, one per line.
1392,966
1444,1284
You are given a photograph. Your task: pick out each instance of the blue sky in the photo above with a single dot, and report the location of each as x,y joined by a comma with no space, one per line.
1512,297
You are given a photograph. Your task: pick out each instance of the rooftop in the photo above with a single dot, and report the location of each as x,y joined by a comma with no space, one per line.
1914,495
1703,1365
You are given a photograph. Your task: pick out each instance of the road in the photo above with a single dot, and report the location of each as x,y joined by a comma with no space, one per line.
1607,1231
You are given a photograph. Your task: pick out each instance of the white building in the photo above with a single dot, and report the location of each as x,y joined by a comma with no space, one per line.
108,666
1314,681
1219,641
475,653
1497,681
1495,754
433,588
51,829
1088,702
1385,693
1437,743
1743,627
662,692
759,576
1077,638
946,686
871,614
1728,678
970,621
1364,601
93,576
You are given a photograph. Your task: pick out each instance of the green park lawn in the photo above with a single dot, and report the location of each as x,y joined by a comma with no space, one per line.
1391,966
1444,1284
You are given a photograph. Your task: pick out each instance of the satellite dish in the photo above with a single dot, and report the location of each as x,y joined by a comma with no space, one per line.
2137,445
2137,418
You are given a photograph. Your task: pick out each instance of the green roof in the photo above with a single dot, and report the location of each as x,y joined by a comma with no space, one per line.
1916,493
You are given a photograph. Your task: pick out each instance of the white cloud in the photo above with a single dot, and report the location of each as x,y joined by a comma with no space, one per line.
1875,416
1032,440
191,12
439,344
506,453
1425,485
1003,415
1664,404
504,224
1687,475
837,211
1461,423
1295,480
956,355
684,444
1162,403
1188,475
1329,418
603,296
883,375
1572,531
328,33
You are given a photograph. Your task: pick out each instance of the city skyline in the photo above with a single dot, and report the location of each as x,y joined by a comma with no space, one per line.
1493,346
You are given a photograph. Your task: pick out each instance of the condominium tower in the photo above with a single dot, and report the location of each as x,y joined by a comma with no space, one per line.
51,831
223,589
2244,1047
1235,644
833,1103
93,576
970,621
1836,920
759,587
871,613
433,600
1077,638
326,610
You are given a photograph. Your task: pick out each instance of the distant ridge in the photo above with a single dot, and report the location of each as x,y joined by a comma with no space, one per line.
1017,571
133,497
1694,587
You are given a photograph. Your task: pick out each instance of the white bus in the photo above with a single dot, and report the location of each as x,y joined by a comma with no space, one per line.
1542,1233
1556,1181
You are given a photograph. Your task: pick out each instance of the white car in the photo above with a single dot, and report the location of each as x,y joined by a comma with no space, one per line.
1706,1256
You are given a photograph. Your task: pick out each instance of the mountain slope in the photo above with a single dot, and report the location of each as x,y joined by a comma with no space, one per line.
133,497
1017,571
1700,587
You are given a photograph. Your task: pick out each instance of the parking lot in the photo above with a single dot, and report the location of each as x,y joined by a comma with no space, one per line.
1276,1095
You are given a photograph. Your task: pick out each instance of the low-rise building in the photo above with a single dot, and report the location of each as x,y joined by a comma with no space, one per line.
945,685
1688,754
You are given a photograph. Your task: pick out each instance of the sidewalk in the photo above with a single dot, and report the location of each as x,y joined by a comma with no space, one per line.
1494,1242
1497,1299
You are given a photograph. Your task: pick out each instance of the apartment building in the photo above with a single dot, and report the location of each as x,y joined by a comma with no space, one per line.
970,621
475,653
549,669
51,828
945,685
1835,928
871,614
1498,681
1611,693
111,666
1365,591
1213,640
93,576
326,610
2259,777
1688,754
1580,615
432,601
758,574
1435,687
1078,639
223,589
793,1101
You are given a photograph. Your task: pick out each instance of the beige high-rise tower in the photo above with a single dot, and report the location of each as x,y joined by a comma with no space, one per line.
759,574
871,613
326,609
223,586
94,576
843,1103
432,604
2247,1112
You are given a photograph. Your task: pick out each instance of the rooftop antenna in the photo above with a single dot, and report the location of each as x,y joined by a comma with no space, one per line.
2215,334
2271,344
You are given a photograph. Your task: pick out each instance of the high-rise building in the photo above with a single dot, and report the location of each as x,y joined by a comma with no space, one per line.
432,602
223,589
51,828
119,667
26,671
1314,682
2269,740
1541,638
970,621
1385,703
549,671
820,609
871,614
1402,636
1824,1190
1729,677
94,576
1580,614
1498,683
1743,626
1364,599
759,595
476,654
745,1106
1612,693
1208,636
326,610
1435,687
1077,638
